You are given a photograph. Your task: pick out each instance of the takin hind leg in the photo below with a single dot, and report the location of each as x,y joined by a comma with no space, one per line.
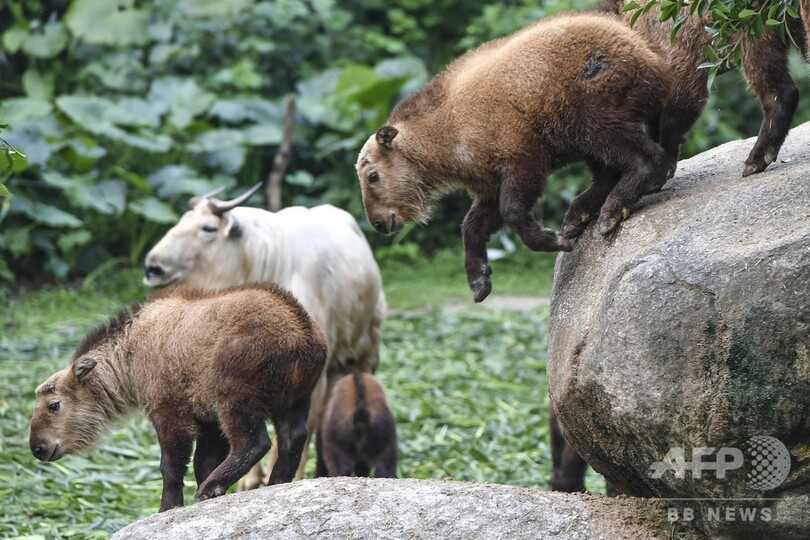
568,467
482,220
520,188
585,207
387,462
292,434
642,163
248,440
212,448
766,71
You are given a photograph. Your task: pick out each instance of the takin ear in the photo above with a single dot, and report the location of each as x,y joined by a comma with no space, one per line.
233,227
83,367
385,135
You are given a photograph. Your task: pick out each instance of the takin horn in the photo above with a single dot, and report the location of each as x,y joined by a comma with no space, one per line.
220,207
194,201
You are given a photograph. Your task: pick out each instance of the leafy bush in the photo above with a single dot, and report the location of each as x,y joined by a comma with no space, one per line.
727,20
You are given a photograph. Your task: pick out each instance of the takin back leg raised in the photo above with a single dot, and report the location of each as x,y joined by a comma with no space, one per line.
247,435
766,71
212,448
292,434
585,207
642,163
520,187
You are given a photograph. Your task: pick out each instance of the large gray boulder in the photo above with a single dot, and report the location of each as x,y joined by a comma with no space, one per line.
689,327
412,509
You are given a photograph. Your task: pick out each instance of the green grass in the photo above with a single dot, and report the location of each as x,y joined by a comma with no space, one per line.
468,390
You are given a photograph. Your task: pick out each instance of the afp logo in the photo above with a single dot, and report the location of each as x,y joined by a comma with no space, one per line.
768,458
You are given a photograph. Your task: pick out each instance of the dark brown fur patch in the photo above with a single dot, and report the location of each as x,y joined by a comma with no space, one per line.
596,64
111,328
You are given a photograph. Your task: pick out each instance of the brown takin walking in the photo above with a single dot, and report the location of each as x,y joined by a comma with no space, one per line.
504,116
358,432
204,366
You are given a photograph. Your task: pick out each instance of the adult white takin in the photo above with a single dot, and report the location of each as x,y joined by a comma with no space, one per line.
319,254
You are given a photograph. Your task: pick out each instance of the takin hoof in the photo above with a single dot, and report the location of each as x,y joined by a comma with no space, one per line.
203,494
481,287
608,224
567,241
757,165
479,282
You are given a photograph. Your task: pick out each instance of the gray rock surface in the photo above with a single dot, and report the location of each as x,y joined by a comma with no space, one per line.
690,327
389,509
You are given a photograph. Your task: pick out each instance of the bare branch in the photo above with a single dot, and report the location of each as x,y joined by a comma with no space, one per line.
282,157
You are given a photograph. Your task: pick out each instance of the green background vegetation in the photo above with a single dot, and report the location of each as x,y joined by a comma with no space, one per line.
123,109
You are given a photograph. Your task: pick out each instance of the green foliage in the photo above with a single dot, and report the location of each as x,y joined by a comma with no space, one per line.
726,21
119,110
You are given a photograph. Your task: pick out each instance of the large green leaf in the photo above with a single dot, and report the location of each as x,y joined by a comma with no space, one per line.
38,85
49,43
263,135
14,38
151,142
215,8
18,110
93,113
73,239
108,197
182,97
217,139
100,116
4,191
44,213
153,210
253,109
108,22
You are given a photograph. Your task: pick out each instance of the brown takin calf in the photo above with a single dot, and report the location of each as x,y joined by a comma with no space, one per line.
210,366
358,432
504,116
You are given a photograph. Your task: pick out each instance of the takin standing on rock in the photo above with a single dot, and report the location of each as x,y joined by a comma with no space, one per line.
358,432
765,67
319,254
503,117
201,365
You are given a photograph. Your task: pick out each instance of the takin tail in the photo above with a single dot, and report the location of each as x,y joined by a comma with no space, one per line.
361,417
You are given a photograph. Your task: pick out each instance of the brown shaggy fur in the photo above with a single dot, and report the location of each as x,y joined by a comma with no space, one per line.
204,366
503,117
358,432
765,67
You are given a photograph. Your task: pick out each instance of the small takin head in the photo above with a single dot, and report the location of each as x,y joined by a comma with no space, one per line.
191,246
393,191
67,417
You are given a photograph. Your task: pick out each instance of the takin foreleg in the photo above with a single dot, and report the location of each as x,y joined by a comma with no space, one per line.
176,438
481,222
